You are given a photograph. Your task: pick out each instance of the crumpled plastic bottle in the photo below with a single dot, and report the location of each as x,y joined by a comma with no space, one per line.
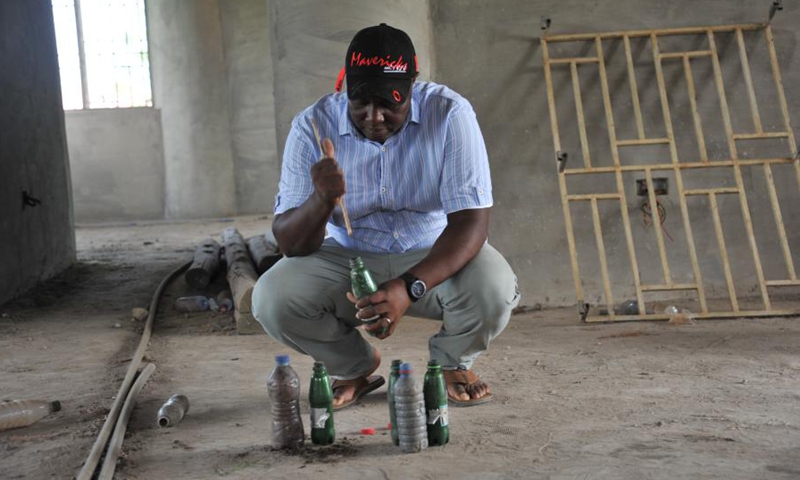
678,316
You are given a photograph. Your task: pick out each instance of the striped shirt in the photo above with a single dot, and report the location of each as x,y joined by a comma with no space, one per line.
400,192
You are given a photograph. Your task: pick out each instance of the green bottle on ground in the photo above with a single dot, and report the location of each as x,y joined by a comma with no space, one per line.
362,283
320,400
394,373
438,418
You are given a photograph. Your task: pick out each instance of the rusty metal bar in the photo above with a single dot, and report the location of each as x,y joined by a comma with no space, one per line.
594,196
576,91
685,55
564,60
708,191
723,251
612,138
698,122
674,286
562,179
682,166
748,81
648,33
601,250
637,108
776,211
642,141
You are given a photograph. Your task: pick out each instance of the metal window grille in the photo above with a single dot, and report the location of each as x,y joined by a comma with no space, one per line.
743,156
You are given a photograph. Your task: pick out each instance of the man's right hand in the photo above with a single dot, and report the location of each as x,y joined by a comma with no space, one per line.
328,178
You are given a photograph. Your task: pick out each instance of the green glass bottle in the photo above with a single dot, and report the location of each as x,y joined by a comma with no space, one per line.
320,400
438,416
362,283
393,374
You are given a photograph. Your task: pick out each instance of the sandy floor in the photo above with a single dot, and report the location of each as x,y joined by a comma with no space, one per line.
573,401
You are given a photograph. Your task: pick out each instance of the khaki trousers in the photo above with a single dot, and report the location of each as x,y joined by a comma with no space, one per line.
301,303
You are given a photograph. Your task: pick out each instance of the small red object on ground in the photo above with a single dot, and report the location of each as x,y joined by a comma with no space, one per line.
389,426
368,431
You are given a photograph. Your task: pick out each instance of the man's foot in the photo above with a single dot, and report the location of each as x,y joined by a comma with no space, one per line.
465,389
347,392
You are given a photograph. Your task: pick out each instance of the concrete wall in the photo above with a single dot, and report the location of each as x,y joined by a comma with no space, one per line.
310,38
245,28
489,52
190,87
35,242
117,158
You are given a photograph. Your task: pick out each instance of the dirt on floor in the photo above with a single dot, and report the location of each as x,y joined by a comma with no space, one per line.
716,399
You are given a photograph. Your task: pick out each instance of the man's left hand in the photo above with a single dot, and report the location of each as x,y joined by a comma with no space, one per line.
390,302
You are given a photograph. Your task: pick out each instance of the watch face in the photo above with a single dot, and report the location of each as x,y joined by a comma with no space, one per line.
418,289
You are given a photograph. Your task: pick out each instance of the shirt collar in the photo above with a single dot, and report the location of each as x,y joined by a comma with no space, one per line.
346,126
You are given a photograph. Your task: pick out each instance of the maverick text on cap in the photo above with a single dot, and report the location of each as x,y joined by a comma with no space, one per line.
380,62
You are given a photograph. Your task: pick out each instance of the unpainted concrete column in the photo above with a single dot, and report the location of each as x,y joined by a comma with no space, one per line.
310,39
36,238
190,87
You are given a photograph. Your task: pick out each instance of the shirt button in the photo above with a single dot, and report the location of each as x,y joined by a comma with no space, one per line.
480,191
396,235
383,148
383,189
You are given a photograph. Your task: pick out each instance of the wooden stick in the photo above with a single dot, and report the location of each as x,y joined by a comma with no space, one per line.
776,210
708,191
681,166
556,61
341,200
693,54
759,136
662,249
643,141
674,286
601,250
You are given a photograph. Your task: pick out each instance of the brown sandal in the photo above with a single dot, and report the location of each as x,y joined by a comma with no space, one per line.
466,378
363,385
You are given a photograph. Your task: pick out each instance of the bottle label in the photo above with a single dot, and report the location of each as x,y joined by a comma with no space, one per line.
318,417
439,415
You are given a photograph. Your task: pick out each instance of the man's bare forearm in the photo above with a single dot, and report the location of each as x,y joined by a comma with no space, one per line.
461,240
300,231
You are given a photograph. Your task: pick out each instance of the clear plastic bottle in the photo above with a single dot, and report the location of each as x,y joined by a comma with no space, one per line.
197,303
21,413
394,373
409,401
284,394
173,411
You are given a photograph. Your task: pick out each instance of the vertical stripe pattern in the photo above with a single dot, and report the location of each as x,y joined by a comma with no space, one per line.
398,193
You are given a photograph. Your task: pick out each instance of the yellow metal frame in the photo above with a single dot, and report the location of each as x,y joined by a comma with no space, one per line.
675,166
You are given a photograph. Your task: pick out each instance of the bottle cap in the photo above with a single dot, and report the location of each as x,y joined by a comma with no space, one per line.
368,431
319,367
282,359
434,363
405,368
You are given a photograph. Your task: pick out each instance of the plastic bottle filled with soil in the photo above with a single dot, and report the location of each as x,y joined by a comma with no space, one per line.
21,413
410,405
284,394
394,373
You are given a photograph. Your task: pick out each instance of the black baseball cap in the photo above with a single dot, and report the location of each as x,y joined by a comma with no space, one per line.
380,61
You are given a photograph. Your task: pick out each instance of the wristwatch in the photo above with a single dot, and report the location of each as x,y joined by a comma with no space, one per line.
416,288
